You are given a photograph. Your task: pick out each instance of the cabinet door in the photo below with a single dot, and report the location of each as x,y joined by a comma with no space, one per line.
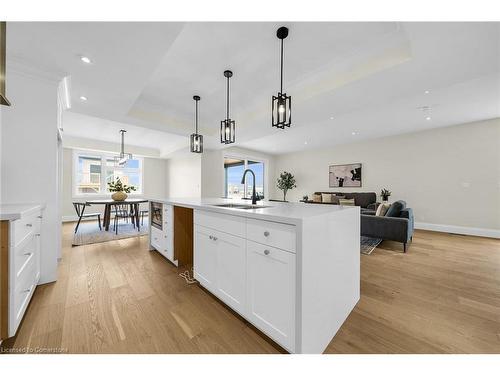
271,292
204,257
231,270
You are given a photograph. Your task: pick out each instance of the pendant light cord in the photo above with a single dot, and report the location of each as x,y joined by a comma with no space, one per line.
227,108
196,122
281,84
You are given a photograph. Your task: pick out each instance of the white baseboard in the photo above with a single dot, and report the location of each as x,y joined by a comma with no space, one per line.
456,229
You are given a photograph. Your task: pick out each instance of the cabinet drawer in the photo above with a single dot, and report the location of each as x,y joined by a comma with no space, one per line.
25,252
269,233
158,239
24,227
231,224
22,292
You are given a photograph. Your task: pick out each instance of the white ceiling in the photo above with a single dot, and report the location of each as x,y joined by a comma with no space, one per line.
370,77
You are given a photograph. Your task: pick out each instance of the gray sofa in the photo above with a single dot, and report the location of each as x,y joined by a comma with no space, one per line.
397,225
365,200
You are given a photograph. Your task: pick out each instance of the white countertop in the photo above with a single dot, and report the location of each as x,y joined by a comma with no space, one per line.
15,211
292,213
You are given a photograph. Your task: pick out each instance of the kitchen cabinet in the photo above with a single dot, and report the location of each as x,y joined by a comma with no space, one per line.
204,257
271,292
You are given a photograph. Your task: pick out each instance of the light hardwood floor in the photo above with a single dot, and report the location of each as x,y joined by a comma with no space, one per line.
443,296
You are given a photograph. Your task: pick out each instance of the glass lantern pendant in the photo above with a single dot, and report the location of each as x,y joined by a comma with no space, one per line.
227,126
282,103
196,140
121,160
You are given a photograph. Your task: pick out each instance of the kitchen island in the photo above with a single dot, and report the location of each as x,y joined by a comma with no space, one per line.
290,269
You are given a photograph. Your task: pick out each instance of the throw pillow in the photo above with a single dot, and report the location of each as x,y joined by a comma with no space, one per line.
382,209
335,199
395,209
317,198
346,202
326,198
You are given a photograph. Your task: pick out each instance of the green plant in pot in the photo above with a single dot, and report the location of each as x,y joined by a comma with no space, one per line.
119,190
286,182
385,194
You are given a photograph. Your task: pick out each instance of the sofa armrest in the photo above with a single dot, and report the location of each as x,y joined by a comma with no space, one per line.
365,211
387,228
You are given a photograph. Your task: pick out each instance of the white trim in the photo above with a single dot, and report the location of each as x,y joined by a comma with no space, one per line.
456,229
245,157
103,155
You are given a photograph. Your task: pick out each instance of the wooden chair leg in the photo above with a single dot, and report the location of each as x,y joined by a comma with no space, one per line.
99,221
404,247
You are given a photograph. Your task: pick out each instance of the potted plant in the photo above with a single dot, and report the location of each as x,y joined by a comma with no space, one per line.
286,182
119,190
385,194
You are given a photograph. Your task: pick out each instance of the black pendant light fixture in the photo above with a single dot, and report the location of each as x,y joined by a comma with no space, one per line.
282,104
196,139
227,128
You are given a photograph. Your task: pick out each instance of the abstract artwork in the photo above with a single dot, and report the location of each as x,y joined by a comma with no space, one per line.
346,175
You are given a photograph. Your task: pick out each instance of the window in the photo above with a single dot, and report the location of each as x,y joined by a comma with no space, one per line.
233,171
94,171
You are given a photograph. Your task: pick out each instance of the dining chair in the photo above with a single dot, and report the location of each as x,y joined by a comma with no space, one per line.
122,211
80,211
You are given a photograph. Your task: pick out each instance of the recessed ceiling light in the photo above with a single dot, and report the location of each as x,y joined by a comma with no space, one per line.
354,133
426,92
83,98
428,118
85,59
331,118
305,142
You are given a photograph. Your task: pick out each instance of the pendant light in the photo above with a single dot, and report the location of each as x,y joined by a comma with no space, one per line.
122,159
227,126
196,139
281,104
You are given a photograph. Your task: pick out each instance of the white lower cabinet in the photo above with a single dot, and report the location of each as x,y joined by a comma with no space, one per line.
219,265
231,270
271,292
254,279
204,257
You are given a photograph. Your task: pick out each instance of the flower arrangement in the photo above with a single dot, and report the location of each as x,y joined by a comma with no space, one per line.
385,194
119,186
119,189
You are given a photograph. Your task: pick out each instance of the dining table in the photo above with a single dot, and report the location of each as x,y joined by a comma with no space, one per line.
109,203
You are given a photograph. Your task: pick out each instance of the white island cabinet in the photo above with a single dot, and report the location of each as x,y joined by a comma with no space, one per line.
292,270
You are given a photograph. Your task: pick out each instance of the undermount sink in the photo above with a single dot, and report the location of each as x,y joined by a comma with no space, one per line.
239,206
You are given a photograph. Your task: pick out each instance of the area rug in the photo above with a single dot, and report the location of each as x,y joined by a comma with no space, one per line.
368,244
89,232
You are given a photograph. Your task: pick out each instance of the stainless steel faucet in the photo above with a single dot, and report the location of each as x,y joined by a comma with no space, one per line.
254,196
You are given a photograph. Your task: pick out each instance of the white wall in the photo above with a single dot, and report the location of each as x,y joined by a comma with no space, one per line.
449,176
29,158
154,184
212,170
184,175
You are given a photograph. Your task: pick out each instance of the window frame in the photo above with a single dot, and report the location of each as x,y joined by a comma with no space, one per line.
103,156
246,158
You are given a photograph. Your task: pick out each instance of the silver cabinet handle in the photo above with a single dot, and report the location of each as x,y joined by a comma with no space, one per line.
211,237
215,238
266,252
37,234
266,233
39,217
27,254
26,290
29,225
